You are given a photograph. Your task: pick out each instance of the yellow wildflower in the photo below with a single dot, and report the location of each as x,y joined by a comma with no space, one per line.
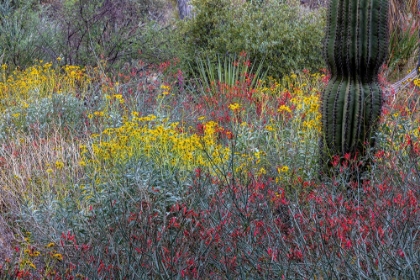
284,108
262,171
165,89
269,128
99,113
59,164
283,169
35,254
58,256
119,97
234,106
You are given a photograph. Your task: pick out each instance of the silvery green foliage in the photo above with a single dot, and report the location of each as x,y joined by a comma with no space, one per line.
104,205
60,111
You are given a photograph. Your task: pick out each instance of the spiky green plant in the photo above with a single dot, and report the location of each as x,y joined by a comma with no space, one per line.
356,45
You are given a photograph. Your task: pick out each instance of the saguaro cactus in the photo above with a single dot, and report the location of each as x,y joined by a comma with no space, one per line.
356,45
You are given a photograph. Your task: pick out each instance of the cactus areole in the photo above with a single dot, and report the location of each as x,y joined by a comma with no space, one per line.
356,46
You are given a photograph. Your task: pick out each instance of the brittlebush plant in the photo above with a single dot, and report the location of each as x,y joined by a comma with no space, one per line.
21,87
159,141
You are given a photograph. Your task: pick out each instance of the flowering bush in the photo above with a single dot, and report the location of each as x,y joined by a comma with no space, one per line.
175,180
21,87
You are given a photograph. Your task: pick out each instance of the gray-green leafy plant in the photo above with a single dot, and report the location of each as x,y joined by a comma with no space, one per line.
356,46
61,110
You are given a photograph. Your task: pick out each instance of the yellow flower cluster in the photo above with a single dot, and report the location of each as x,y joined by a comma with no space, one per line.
234,106
20,87
307,109
284,108
161,142
304,99
119,98
165,89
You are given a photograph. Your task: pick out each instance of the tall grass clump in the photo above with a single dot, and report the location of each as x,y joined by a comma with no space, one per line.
230,71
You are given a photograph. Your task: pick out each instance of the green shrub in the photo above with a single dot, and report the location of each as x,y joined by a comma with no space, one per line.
83,32
19,40
285,35
113,31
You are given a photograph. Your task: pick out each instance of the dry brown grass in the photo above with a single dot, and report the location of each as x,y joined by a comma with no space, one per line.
31,166
402,12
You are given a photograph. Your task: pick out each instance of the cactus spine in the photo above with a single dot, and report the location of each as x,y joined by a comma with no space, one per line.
356,45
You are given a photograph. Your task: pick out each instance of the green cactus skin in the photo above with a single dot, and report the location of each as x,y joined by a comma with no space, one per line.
356,46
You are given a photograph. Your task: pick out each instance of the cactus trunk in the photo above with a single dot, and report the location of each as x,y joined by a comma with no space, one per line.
356,45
